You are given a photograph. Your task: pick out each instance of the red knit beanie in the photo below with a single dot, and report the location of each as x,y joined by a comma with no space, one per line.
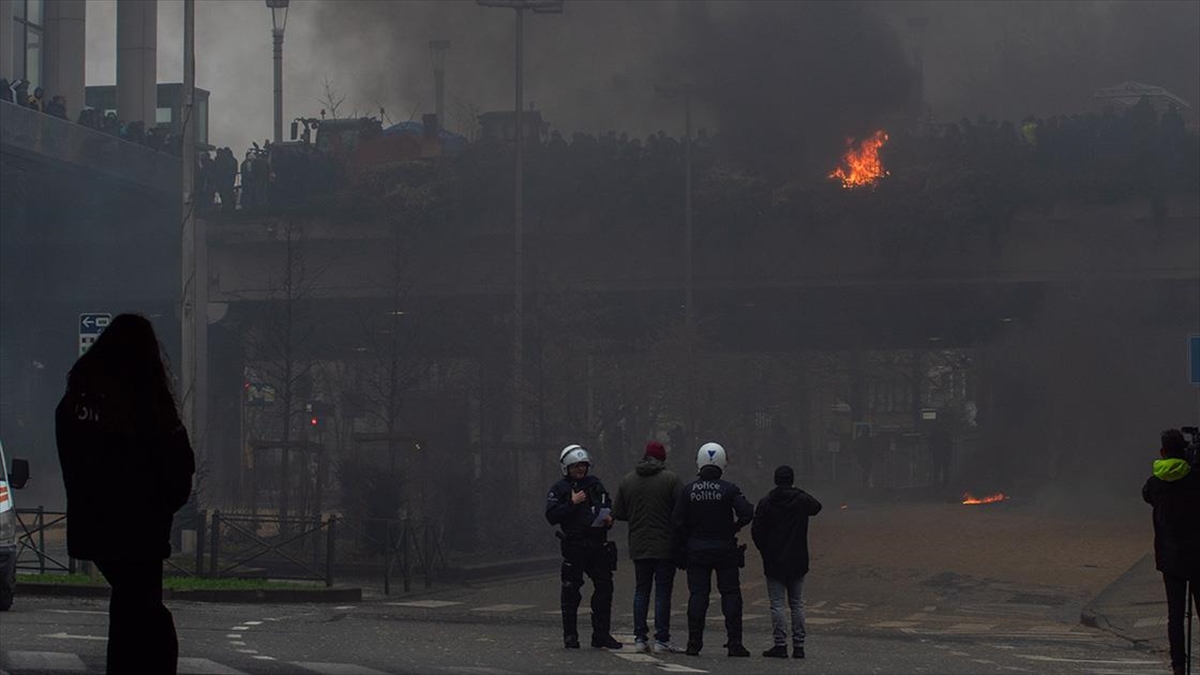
656,450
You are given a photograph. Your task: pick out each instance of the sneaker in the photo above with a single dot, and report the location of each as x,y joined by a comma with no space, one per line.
776,652
571,642
640,646
693,649
797,652
737,650
606,642
667,648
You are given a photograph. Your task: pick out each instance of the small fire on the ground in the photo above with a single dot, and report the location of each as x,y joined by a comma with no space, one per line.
862,166
967,498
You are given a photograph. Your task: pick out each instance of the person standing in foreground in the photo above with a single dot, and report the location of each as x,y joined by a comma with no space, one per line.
127,466
707,517
580,505
780,532
645,499
1174,492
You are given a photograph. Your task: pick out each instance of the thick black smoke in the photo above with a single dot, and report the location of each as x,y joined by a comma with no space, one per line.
788,82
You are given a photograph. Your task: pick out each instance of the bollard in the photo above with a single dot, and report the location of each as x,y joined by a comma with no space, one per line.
214,544
41,525
330,551
201,521
387,557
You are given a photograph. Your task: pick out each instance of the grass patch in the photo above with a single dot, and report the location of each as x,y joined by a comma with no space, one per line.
173,583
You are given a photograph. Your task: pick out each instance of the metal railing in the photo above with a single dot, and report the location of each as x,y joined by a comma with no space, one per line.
31,541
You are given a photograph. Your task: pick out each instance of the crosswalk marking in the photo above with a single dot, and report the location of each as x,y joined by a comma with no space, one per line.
196,666
425,604
336,668
679,668
21,660
502,607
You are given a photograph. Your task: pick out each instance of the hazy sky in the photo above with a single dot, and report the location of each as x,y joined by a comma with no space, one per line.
594,67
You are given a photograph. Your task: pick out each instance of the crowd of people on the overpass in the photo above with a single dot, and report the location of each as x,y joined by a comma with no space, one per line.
155,138
690,526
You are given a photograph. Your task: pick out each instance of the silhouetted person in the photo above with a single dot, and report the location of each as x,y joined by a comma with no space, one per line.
1174,492
127,466
5,90
57,107
864,452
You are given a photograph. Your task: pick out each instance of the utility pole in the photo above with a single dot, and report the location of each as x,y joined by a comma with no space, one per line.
437,53
538,7
187,314
685,91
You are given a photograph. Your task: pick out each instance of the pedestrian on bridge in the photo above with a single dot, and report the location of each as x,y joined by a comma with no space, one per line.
127,467
645,498
580,505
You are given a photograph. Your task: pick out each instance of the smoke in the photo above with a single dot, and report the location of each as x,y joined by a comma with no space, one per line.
789,82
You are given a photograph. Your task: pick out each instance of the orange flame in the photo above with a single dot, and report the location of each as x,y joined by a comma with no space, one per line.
990,499
862,166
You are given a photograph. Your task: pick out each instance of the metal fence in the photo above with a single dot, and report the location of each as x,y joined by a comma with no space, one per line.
246,545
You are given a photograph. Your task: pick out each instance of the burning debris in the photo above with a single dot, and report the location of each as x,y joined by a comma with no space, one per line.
990,499
862,166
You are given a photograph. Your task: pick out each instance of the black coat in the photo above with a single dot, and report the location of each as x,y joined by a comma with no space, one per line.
1176,502
124,479
576,519
709,512
780,531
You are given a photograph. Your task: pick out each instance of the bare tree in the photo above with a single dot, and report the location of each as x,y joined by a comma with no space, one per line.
332,100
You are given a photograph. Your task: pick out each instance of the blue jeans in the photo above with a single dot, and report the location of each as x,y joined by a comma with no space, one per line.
660,573
795,600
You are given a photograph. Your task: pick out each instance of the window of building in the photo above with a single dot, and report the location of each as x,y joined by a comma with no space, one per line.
162,116
27,41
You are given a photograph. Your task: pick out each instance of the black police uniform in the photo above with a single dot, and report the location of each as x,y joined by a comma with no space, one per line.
585,549
707,516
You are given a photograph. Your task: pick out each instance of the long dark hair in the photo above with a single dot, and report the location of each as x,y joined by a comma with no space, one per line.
127,365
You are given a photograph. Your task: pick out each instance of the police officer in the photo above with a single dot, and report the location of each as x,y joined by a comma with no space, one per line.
581,506
707,516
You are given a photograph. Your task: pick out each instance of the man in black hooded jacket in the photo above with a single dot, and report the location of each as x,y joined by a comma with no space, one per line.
1174,492
780,531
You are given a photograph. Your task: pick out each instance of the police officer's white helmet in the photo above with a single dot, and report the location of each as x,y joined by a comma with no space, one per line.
573,454
711,454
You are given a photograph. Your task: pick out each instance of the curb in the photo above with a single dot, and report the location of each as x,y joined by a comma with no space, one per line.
1093,617
263,595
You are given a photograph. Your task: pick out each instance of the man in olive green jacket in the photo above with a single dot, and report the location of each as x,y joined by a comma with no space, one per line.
645,499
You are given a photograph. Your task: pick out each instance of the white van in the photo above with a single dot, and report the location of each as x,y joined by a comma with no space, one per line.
9,481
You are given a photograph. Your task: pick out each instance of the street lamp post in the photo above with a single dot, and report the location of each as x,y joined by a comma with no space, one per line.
674,92
437,53
279,10
538,7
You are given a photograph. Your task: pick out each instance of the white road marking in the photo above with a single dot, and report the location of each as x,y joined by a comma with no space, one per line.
252,623
425,604
76,611
247,651
636,658
1150,621
344,607
678,668
502,607
263,657
68,636
240,628
237,643
1110,662
894,624
20,660
195,666
238,636
336,668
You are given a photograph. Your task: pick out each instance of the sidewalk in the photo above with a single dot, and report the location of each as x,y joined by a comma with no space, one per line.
1134,607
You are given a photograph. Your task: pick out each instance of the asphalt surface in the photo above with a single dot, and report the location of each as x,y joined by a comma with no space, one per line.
896,587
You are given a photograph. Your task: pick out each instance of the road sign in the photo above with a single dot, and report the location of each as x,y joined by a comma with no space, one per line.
1194,359
90,327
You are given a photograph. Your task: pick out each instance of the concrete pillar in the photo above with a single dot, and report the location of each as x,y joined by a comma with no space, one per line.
6,39
137,67
64,63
